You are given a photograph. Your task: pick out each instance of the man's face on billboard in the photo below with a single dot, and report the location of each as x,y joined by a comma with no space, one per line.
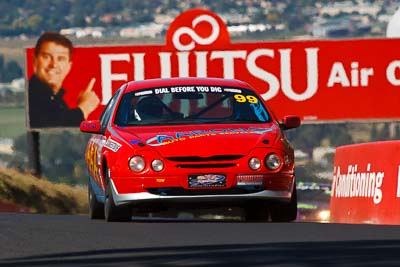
52,64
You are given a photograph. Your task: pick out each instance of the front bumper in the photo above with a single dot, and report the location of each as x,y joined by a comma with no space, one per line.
143,197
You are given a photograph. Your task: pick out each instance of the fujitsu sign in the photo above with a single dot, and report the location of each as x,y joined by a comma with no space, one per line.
318,80
198,45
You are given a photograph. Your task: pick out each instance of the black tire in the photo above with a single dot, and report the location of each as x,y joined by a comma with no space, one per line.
96,209
113,213
285,212
256,211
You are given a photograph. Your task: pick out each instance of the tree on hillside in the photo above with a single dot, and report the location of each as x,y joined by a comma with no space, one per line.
1,67
9,71
309,136
12,70
60,162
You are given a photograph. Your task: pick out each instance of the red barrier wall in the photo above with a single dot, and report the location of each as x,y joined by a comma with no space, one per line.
365,186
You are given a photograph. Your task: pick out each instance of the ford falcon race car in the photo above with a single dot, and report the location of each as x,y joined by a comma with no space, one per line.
198,142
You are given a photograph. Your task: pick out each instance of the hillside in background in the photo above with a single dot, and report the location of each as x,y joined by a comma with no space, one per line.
108,18
31,17
23,192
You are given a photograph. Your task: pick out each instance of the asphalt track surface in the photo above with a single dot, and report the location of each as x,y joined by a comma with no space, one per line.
68,240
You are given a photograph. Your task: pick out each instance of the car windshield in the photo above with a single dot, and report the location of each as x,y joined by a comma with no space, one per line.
190,104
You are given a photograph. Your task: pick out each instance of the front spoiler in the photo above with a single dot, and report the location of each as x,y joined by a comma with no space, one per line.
133,198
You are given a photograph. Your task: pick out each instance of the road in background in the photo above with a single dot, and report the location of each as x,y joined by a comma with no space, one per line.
68,240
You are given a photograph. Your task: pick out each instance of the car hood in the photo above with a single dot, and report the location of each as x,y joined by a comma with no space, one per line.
201,140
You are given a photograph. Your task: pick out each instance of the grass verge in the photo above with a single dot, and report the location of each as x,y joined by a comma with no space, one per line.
41,195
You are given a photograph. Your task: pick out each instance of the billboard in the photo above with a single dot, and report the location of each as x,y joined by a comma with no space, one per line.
318,80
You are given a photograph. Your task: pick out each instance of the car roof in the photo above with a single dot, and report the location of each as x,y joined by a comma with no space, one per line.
164,82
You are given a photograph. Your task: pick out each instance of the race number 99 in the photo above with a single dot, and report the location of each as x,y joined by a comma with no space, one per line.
242,99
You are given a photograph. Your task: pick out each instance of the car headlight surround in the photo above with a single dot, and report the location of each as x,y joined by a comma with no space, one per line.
137,163
254,163
273,161
157,165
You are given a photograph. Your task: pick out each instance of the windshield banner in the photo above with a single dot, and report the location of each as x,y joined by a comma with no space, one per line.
318,80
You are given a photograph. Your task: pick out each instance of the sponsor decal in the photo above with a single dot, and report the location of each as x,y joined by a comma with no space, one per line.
160,140
358,183
112,145
229,90
249,179
93,158
134,142
147,92
89,126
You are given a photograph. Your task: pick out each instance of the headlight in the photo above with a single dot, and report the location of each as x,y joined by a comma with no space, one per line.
272,161
137,164
157,165
254,163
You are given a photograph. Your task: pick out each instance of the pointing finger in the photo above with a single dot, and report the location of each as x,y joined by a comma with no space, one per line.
90,85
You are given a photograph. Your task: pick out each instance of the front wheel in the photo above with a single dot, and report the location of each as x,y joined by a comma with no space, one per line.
112,212
96,209
285,212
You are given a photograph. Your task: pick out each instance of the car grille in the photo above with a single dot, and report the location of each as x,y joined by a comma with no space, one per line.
196,162
204,159
178,191
203,166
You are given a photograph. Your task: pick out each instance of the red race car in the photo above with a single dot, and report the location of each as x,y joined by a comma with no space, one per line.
201,142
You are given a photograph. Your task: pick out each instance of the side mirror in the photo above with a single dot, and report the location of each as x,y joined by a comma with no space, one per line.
290,122
90,126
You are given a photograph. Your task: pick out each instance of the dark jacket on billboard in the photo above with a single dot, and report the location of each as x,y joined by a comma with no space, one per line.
47,109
